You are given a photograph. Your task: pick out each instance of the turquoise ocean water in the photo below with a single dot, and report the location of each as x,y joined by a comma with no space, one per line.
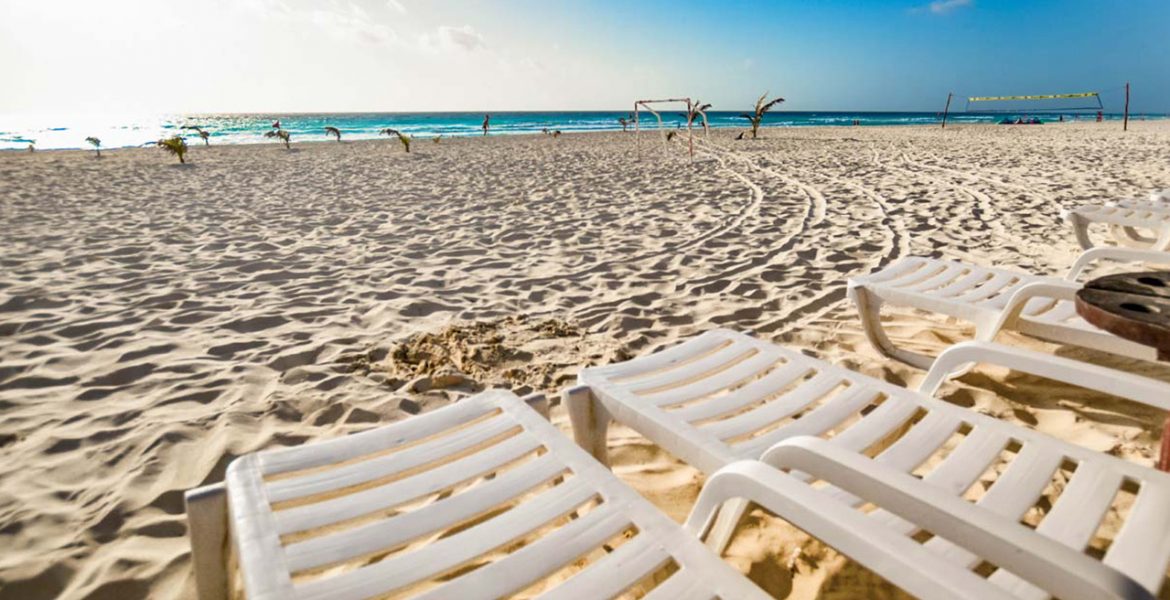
16,132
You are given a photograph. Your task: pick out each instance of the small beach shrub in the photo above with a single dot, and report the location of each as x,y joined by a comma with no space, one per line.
203,135
97,145
696,111
762,107
401,137
280,134
333,131
175,145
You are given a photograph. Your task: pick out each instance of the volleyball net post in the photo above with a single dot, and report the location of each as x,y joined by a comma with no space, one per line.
1125,119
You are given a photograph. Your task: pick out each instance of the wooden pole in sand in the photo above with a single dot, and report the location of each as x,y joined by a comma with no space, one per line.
690,136
1125,121
947,109
636,130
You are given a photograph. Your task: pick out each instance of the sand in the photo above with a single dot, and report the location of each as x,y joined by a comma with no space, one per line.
157,320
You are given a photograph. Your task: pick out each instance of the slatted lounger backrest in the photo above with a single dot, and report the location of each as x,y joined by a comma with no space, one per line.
724,396
420,507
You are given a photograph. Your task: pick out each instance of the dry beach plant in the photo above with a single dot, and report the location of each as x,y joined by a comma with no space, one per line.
762,107
175,145
282,135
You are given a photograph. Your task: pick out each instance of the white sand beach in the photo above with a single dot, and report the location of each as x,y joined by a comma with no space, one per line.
158,320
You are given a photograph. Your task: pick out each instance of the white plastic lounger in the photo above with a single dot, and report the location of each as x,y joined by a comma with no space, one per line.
315,521
993,300
723,397
1134,224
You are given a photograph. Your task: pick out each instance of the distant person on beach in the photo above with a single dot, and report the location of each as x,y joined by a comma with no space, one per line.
1100,116
486,120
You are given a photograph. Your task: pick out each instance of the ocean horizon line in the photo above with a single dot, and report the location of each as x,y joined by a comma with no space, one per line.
65,133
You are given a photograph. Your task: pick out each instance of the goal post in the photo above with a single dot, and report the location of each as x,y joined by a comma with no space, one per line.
647,105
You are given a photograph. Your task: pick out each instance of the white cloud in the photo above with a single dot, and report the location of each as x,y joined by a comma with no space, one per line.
341,20
942,7
351,22
465,37
396,6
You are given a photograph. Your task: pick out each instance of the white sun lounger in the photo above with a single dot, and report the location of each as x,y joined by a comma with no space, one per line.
993,300
1131,223
723,397
274,494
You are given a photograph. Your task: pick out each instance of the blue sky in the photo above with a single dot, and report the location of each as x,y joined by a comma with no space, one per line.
387,55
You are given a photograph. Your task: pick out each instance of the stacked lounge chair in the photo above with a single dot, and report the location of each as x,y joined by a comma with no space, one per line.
1131,223
993,300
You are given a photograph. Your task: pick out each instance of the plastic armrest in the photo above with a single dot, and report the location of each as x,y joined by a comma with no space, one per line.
1093,377
1058,569
1089,257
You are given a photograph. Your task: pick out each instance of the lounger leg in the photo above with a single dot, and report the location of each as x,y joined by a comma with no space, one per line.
590,421
539,403
1080,228
207,529
869,309
729,515
1132,237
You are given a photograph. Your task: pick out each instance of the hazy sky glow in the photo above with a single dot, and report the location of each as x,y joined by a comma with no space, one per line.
139,56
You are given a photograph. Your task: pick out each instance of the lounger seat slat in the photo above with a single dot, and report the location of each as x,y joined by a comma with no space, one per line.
819,420
714,364
964,284
920,442
1141,548
753,392
614,573
1014,492
1082,505
998,284
947,275
957,472
385,466
533,562
873,427
680,586
969,460
924,271
447,553
899,269
350,506
780,408
703,344
709,385
351,446
390,532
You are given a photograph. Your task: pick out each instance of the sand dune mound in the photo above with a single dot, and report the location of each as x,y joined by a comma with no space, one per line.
515,352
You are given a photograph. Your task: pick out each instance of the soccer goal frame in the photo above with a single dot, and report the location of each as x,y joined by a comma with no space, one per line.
640,105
